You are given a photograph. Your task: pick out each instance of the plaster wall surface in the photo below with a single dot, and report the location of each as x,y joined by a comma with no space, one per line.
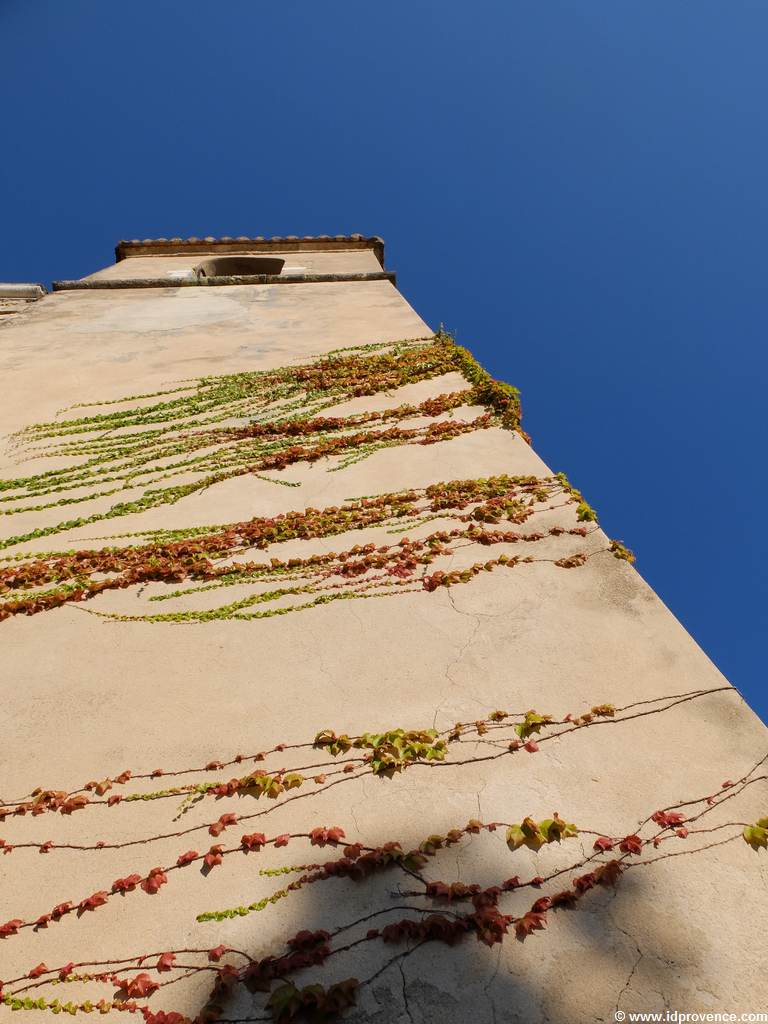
341,261
84,696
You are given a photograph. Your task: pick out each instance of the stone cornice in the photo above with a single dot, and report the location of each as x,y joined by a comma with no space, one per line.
242,244
97,284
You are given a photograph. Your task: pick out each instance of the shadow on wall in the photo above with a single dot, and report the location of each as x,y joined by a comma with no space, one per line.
583,966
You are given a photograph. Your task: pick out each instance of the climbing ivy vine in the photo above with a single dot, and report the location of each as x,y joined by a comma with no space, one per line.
155,449
471,514
447,912
246,424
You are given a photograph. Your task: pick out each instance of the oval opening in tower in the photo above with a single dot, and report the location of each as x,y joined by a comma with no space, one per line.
240,266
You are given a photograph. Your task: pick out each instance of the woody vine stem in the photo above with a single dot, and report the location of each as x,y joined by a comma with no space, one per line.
434,910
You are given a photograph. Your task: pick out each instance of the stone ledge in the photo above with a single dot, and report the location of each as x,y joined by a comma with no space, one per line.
28,292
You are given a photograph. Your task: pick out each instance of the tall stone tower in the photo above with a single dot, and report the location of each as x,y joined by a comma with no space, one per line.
322,694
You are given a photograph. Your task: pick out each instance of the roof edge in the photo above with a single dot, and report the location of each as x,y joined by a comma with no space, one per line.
242,244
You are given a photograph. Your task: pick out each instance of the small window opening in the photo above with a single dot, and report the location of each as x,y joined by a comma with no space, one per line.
240,266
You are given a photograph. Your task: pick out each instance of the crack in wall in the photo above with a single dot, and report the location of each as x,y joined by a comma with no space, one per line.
405,993
635,965
489,983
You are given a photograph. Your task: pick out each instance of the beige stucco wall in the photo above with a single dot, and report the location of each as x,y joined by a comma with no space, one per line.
82,696
340,261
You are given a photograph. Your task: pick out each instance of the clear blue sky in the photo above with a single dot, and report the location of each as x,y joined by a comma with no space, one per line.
579,190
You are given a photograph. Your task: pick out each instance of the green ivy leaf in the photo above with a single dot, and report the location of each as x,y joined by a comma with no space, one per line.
757,835
284,1002
532,723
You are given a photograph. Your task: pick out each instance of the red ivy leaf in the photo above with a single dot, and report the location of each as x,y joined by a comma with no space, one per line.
218,827
127,884
665,819
541,905
92,902
321,836
254,841
154,880
213,857
216,953
37,971
631,844
584,882
530,922
187,858
142,985
566,898
166,962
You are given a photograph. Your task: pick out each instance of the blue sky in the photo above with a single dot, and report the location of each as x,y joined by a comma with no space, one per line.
577,190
